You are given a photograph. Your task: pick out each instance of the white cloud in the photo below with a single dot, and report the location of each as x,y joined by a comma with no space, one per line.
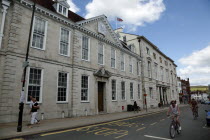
73,7
196,67
133,12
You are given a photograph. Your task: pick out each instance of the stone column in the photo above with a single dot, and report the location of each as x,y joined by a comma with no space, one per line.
5,5
163,95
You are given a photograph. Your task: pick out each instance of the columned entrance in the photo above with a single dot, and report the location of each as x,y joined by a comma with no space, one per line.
101,96
102,77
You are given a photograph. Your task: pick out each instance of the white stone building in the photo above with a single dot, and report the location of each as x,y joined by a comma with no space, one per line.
77,67
158,70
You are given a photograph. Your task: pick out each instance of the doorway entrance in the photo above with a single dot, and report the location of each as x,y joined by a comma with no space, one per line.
101,96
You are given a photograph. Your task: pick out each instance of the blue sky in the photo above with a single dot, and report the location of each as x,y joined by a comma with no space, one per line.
180,28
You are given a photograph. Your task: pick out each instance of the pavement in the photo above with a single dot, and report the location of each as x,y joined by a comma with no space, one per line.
9,130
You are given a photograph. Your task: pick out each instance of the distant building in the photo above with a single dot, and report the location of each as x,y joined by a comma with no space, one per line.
199,92
158,70
185,84
179,88
199,89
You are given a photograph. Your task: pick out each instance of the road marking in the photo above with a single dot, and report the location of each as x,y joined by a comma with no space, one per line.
153,123
205,127
157,137
18,139
58,132
69,130
141,128
162,120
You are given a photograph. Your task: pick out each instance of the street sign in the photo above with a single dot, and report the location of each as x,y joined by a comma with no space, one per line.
25,64
22,97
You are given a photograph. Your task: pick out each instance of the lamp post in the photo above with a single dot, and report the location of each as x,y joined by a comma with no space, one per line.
25,65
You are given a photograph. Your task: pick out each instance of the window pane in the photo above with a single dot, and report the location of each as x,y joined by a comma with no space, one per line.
85,48
139,96
100,54
64,42
131,90
34,84
122,62
113,58
123,90
38,33
113,90
62,86
64,10
84,88
60,9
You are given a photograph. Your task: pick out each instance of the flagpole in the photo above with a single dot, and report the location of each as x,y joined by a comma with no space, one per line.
116,23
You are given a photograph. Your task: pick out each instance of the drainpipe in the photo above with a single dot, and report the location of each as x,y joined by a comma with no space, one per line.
5,5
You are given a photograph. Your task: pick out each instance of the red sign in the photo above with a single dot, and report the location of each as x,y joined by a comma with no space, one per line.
145,94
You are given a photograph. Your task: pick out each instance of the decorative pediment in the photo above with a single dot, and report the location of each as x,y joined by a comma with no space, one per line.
102,73
101,26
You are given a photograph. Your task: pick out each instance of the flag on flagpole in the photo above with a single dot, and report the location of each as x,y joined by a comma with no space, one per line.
119,19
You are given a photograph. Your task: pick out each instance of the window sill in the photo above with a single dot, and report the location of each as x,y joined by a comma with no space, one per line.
85,60
64,102
114,100
64,55
28,103
38,48
85,102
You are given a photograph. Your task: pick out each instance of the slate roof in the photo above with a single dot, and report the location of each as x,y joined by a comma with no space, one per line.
49,5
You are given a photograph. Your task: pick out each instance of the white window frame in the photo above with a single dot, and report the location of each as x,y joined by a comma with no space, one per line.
138,68
161,73
112,49
149,69
115,89
67,88
124,90
151,92
88,89
41,88
130,65
131,83
88,48
45,34
62,10
122,54
156,71
148,51
69,41
103,53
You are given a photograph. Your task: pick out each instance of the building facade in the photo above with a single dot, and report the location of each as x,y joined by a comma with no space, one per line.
185,90
159,81
77,66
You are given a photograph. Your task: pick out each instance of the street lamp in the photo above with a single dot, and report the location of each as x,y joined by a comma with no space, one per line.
25,65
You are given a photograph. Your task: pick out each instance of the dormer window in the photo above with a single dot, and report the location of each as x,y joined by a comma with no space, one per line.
62,10
61,7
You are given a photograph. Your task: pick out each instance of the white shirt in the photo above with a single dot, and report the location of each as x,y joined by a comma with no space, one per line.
174,110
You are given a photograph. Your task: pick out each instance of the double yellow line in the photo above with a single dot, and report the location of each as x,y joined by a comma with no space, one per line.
73,129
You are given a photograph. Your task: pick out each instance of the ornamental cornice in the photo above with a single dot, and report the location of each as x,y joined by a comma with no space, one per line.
66,21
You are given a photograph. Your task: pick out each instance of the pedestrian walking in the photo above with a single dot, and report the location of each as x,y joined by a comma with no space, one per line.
135,107
34,112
